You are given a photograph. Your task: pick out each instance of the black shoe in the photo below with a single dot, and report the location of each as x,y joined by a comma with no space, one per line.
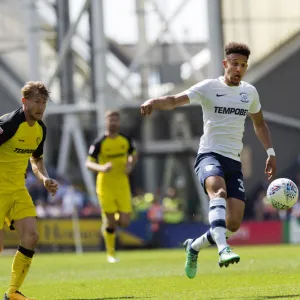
16,296
5,297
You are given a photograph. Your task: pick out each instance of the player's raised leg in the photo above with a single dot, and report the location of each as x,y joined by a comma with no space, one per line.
210,174
216,189
207,239
234,216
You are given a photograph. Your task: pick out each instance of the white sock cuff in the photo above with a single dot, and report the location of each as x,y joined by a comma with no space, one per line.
217,201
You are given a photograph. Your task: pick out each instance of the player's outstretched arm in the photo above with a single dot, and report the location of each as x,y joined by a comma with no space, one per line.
39,169
263,133
93,166
164,103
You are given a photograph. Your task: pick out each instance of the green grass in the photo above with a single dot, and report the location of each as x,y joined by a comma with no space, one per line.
271,272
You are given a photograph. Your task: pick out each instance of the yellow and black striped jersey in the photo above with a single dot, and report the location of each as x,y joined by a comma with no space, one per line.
115,150
18,142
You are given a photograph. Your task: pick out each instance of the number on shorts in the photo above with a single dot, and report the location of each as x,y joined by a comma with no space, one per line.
241,187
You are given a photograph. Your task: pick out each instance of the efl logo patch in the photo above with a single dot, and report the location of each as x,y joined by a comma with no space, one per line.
1,130
209,168
91,150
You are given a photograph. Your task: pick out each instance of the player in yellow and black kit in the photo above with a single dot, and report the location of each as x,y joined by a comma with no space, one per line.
22,137
113,156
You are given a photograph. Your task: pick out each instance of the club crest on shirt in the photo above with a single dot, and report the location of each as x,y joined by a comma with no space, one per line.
208,168
244,97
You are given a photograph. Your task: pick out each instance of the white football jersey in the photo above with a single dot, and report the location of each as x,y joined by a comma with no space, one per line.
224,112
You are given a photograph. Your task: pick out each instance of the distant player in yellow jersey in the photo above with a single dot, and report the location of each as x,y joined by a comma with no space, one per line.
113,156
22,137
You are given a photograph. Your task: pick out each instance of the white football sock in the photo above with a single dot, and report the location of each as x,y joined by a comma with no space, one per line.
216,217
204,241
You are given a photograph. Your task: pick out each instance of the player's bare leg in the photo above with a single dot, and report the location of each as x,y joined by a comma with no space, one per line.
27,231
124,220
234,214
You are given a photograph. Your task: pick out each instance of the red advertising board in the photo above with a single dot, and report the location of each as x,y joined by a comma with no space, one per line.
265,232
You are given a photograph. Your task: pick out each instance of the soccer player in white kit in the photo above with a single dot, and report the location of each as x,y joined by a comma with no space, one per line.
225,101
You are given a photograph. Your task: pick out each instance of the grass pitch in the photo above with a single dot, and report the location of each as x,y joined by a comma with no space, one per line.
271,272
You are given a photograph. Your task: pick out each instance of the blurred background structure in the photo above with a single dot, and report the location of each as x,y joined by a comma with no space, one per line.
97,55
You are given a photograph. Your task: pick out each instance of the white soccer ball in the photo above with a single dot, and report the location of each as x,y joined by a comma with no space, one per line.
282,193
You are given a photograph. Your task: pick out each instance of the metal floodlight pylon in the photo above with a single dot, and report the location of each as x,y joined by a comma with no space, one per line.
66,43
33,38
145,51
72,129
183,51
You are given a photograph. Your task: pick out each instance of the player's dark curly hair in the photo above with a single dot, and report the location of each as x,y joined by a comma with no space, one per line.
34,88
238,48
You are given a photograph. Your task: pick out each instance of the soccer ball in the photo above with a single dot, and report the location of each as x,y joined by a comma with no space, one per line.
282,193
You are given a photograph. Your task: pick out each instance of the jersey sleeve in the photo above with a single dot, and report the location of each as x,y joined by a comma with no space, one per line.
131,149
197,93
8,128
94,150
255,105
40,149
